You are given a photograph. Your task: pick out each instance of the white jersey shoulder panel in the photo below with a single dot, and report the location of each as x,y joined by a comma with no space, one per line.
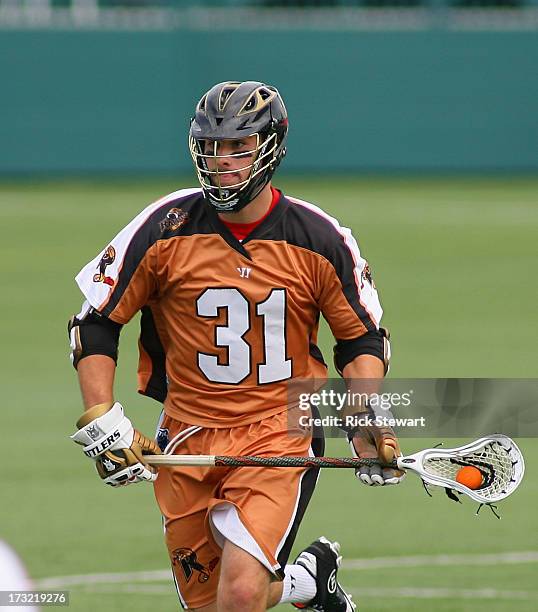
96,280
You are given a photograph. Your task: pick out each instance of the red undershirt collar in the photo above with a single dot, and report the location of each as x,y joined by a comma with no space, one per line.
242,230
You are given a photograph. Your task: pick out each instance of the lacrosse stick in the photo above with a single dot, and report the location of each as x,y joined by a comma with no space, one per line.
497,457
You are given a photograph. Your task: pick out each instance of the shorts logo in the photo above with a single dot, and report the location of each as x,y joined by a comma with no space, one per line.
107,259
174,219
331,582
186,559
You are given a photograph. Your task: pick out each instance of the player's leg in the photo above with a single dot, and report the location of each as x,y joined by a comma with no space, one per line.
244,582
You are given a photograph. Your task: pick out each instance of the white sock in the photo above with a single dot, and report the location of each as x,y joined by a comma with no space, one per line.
299,585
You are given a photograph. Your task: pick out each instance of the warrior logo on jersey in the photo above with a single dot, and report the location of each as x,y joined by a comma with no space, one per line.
174,219
107,260
367,276
186,558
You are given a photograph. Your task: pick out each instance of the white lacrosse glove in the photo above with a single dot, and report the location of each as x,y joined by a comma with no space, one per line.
373,442
118,449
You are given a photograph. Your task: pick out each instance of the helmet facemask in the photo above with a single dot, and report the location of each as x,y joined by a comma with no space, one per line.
262,161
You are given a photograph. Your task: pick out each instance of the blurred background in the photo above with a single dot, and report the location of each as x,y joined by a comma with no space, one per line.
106,86
414,122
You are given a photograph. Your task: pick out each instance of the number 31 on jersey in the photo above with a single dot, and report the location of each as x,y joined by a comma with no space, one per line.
273,311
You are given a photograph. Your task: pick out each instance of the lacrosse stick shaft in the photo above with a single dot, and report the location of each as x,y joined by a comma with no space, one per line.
497,457
252,461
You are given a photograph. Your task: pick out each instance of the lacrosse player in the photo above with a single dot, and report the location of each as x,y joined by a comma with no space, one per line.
230,279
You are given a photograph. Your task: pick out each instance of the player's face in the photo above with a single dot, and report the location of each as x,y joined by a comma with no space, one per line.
232,159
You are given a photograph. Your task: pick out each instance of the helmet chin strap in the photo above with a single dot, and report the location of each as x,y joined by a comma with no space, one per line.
228,206
237,204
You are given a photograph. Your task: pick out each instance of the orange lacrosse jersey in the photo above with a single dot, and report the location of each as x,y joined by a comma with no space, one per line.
227,324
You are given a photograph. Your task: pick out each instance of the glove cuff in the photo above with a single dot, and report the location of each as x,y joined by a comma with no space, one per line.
95,412
112,429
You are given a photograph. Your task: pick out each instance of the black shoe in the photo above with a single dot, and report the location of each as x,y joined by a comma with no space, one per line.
322,560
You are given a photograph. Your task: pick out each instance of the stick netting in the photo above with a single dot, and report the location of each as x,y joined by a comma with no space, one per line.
494,462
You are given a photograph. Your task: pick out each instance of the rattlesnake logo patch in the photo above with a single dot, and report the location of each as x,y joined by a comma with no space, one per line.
174,219
107,260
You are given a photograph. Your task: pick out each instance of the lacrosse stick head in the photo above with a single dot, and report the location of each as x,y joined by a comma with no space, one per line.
497,457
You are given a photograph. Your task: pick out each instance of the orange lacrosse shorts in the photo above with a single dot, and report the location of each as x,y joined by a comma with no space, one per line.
257,508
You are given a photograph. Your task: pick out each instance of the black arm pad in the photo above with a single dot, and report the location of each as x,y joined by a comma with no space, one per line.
375,342
95,334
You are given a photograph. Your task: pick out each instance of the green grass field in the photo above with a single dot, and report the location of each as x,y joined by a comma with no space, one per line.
455,262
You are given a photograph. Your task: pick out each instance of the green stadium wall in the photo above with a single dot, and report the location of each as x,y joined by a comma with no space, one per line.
120,102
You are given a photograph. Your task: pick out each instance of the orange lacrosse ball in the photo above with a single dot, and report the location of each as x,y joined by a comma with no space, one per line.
469,477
